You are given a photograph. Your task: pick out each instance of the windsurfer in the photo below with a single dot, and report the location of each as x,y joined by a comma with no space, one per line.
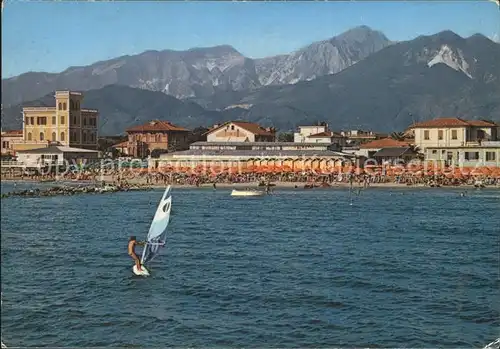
132,242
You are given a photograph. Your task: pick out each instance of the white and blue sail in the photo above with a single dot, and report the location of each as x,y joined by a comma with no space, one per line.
158,230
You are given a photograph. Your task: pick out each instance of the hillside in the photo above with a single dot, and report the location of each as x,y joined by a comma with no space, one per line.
121,107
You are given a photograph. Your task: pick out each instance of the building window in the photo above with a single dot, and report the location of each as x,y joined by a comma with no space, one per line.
454,134
434,152
84,137
232,127
62,136
471,155
71,105
64,106
41,120
59,106
27,120
32,120
29,136
62,119
84,121
426,135
54,120
42,136
440,135
490,156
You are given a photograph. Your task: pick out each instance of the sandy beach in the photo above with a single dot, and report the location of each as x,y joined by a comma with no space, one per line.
238,185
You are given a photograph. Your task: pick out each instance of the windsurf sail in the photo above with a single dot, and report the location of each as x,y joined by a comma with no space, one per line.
158,229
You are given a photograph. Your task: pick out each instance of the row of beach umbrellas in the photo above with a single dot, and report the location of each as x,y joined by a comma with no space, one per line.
418,171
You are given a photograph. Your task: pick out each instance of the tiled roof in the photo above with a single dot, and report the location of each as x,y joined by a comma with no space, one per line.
261,144
453,122
482,123
120,145
257,153
56,149
156,125
256,129
13,133
383,143
325,134
393,152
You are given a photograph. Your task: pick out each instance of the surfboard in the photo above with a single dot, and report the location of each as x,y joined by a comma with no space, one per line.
157,232
143,272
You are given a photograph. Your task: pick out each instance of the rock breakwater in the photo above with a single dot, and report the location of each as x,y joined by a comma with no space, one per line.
69,191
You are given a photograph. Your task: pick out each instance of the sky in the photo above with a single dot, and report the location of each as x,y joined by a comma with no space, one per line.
52,35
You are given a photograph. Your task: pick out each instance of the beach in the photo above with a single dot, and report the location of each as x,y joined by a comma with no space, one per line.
109,180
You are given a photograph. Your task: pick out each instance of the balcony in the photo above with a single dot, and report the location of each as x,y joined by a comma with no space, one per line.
490,144
486,144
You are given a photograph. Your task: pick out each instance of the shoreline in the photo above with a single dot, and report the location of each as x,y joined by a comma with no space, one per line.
253,185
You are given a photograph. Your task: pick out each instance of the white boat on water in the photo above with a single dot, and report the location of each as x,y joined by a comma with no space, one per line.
247,192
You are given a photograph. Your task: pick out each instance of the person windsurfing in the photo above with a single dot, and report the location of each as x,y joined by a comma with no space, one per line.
132,242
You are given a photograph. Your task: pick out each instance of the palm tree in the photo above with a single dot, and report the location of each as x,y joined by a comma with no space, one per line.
399,136
416,149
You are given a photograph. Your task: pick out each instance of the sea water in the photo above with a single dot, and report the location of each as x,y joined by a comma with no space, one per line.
302,268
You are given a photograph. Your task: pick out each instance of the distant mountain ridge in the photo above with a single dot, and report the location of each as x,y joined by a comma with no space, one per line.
201,72
441,75
428,77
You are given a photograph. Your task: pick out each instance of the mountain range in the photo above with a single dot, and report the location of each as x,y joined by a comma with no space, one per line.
359,79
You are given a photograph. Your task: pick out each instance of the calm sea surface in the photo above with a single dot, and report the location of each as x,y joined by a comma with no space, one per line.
302,268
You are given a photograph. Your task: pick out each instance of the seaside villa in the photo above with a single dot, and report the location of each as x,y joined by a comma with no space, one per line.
65,123
458,142
156,134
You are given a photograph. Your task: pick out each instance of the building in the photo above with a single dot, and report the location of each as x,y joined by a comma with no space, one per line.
393,155
66,123
291,160
358,137
453,133
240,131
304,132
244,155
328,137
8,138
487,154
54,154
156,134
368,150
262,146
319,134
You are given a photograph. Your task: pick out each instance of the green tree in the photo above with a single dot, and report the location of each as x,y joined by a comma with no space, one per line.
197,135
157,152
285,137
